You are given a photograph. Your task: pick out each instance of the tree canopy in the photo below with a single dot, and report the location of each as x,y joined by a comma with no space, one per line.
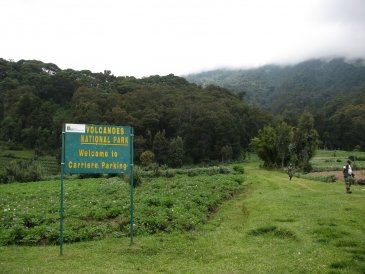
280,144
170,116
332,91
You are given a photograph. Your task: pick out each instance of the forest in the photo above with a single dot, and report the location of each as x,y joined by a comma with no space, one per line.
333,91
213,119
165,111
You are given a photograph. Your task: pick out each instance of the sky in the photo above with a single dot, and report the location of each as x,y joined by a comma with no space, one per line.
149,37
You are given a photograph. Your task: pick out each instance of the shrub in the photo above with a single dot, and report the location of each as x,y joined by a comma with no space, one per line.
330,179
9,155
169,174
239,169
307,167
192,173
223,170
137,176
155,169
326,179
176,152
22,171
213,171
147,157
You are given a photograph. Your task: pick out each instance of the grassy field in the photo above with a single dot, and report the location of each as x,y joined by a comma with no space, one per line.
273,226
49,163
331,160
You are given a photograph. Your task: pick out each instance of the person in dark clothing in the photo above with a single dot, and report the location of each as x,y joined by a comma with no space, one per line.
348,176
290,171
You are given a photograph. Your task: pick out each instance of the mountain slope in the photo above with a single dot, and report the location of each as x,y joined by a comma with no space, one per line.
279,89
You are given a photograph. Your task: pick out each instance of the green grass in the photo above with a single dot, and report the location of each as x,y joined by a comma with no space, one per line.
275,226
329,160
49,163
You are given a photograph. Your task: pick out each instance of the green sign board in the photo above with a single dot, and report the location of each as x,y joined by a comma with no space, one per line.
97,149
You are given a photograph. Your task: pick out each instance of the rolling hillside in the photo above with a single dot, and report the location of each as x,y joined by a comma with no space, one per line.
310,84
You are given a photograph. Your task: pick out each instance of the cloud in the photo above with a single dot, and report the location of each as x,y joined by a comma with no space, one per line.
144,37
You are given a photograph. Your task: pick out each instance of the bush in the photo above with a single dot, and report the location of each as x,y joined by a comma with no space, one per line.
193,173
307,167
223,170
147,157
22,171
213,171
137,176
239,169
326,179
9,155
169,174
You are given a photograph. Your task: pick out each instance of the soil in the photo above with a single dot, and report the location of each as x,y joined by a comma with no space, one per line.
359,174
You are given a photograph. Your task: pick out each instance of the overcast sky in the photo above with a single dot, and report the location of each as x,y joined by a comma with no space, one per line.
147,37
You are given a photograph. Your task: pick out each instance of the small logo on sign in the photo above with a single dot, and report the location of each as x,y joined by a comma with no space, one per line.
77,128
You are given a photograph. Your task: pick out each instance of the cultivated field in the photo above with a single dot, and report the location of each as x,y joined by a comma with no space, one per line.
268,225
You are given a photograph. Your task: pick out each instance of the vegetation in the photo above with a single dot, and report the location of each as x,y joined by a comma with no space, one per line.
282,144
100,207
332,91
37,97
332,160
273,226
208,218
25,165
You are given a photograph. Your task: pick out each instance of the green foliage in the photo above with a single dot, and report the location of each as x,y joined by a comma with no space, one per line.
261,230
137,176
176,152
273,144
227,153
239,169
305,140
147,157
329,160
161,147
96,208
36,98
326,179
280,144
333,91
22,171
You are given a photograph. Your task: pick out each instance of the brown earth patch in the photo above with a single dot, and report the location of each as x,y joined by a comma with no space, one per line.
359,174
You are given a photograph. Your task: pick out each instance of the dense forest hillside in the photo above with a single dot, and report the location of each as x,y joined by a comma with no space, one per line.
36,98
333,91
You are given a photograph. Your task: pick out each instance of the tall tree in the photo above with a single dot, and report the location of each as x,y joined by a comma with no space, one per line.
160,147
176,152
305,140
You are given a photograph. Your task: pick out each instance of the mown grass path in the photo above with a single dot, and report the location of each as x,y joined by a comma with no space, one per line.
275,226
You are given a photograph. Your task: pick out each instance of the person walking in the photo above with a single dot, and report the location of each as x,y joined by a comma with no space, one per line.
348,176
290,171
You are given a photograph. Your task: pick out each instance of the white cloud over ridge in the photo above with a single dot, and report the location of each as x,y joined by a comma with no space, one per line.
146,37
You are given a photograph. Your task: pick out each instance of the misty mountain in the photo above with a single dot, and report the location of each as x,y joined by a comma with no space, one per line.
288,90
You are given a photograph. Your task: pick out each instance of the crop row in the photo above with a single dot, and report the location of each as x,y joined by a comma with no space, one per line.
98,207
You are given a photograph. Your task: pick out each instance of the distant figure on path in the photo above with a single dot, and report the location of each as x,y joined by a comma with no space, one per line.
290,171
348,175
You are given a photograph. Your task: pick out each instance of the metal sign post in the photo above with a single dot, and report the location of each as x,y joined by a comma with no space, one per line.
88,148
132,192
62,192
